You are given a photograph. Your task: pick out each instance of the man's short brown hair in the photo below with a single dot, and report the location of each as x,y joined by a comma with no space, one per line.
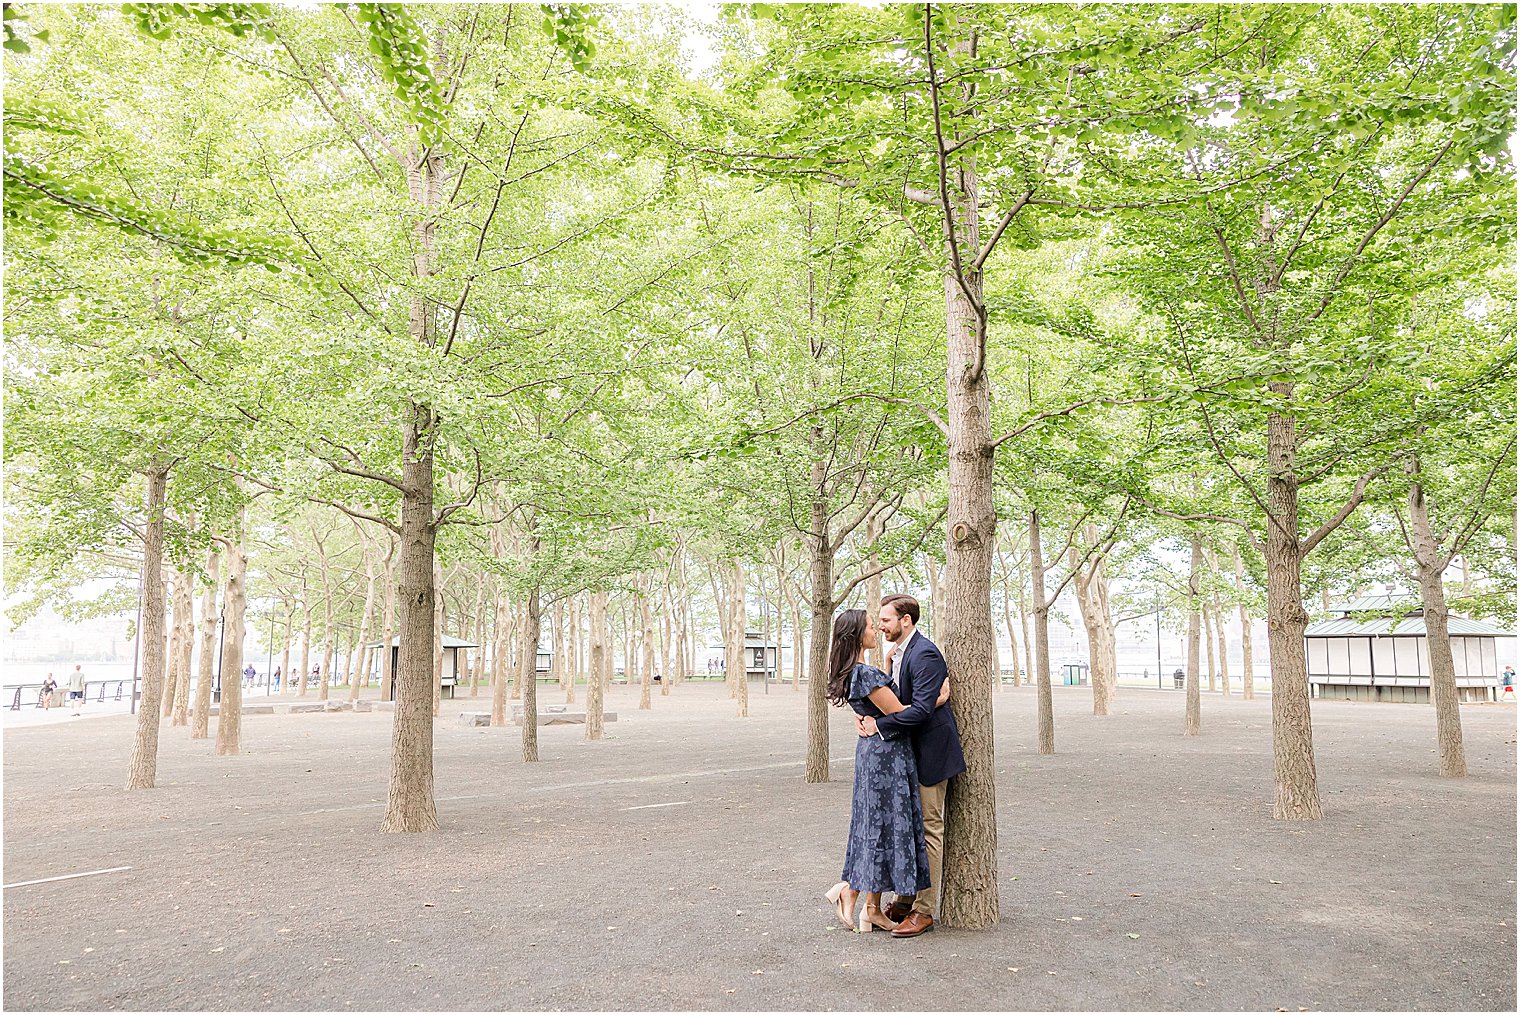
903,605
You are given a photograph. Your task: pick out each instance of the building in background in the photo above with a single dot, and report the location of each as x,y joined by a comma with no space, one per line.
1375,649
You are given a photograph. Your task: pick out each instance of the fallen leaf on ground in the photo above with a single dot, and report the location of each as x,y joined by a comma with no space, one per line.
1133,937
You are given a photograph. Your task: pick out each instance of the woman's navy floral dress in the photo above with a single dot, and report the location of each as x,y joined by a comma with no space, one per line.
886,851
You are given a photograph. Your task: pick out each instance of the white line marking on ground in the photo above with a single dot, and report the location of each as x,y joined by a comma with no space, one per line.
648,807
68,877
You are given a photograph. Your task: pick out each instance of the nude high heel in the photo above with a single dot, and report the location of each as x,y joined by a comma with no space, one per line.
835,896
872,919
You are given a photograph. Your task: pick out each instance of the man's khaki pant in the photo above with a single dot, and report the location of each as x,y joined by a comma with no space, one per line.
933,800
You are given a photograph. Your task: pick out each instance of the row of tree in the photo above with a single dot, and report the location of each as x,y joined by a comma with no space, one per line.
515,293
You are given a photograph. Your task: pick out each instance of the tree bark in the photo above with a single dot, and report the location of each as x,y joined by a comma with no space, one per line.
876,655
963,607
1220,627
409,800
1247,664
501,655
527,666
1207,618
1044,709
290,617
200,727
1192,723
738,624
1297,796
574,662
364,629
646,662
181,714
305,650
176,632
1092,601
821,601
229,717
143,767
598,654
1430,563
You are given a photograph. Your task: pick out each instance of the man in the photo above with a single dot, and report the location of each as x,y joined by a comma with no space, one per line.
76,688
249,673
918,671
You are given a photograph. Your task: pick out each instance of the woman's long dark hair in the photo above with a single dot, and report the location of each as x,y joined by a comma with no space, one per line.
844,647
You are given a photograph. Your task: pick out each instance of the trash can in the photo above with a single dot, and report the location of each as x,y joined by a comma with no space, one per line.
1179,679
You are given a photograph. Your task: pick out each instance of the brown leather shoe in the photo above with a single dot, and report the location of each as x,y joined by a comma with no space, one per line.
914,925
898,911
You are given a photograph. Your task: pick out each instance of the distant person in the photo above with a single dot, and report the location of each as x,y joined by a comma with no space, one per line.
76,688
276,678
1509,677
49,688
657,676
248,674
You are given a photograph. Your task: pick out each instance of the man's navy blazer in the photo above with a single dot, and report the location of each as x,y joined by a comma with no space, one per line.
936,739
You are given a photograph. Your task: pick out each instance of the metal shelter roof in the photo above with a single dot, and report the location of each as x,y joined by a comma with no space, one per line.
1409,627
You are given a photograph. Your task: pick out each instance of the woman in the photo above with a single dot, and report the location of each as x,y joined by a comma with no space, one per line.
886,850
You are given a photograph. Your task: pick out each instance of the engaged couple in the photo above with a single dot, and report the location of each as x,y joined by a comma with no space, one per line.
908,750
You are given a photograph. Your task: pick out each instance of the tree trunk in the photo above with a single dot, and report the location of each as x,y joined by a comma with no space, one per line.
527,667
1092,601
1192,723
738,625
876,656
1045,711
821,601
963,607
1221,632
229,717
574,663
1297,797
598,653
290,617
666,667
1207,618
143,768
1247,664
200,727
409,800
646,663
181,714
305,652
501,655
936,594
1028,642
1443,673
388,653
176,632
364,630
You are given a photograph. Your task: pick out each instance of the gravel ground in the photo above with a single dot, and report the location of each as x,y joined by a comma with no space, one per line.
680,864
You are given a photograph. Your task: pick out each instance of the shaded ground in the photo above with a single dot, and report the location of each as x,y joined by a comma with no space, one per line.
681,864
